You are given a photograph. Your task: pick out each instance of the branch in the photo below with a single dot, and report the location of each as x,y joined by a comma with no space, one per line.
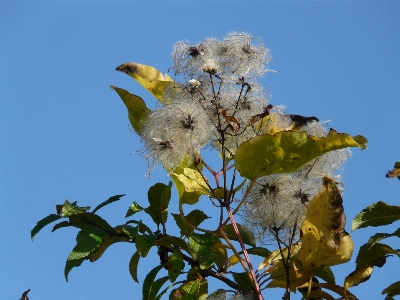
211,273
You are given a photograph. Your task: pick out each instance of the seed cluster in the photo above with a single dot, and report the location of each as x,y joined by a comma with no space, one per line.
217,102
277,202
219,94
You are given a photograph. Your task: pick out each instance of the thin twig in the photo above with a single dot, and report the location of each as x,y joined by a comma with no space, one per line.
246,255
249,188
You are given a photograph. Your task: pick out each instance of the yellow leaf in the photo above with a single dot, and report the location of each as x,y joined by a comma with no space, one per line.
192,183
297,276
358,276
271,124
137,110
324,240
150,78
276,256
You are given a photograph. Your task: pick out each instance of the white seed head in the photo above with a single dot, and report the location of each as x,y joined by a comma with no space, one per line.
194,83
176,131
210,66
237,55
272,204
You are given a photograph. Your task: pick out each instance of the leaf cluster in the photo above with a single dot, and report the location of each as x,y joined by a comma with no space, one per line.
374,253
253,143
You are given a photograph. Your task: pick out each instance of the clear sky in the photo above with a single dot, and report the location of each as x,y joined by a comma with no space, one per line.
65,134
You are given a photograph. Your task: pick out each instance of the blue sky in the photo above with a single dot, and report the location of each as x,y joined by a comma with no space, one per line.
65,134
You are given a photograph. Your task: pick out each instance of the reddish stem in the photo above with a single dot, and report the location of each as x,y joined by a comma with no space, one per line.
246,255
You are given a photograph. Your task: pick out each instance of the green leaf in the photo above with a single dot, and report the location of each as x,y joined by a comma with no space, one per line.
199,248
377,214
110,200
61,225
159,196
84,219
133,266
369,255
325,274
72,264
218,252
137,109
247,236
164,291
144,243
43,222
78,221
195,217
203,289
133,209
142,227
172,242
194,273
87,241
259,251
392,290
380,236
150,78
157,285
130,231
188,291
69,209
243,280
99,221
107,242
149,282
286,151
175,265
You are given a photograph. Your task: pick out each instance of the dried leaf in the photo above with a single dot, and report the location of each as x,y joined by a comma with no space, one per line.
324,241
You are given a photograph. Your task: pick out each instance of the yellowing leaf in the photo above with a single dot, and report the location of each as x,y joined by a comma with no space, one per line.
298,276
276,256
358,276
150,78
193,181
270,124
324,241
286,151
137,109
184,196
219,254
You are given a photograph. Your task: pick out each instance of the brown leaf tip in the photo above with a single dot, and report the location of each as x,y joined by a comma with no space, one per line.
127,68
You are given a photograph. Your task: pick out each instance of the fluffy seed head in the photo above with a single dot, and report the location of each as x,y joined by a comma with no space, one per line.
237,55
175,131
